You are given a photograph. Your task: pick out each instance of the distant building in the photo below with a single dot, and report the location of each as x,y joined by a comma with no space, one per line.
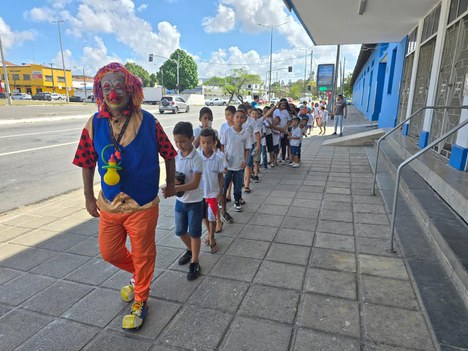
34,78
82,85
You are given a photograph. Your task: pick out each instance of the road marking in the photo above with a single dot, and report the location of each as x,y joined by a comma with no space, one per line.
37,148
38,133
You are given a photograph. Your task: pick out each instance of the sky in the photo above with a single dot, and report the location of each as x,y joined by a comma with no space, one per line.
219,34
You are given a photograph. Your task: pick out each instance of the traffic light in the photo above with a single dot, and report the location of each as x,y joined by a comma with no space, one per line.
289,69
309,87
150,58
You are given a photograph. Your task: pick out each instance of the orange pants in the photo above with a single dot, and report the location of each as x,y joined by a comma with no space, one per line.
140,226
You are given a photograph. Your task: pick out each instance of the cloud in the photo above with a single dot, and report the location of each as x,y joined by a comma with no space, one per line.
142,7
223,22
39,14
14,38
96,56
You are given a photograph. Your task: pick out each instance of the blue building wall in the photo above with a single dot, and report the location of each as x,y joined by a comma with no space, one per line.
376,91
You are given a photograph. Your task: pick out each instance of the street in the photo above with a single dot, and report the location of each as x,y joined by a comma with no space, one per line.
37,145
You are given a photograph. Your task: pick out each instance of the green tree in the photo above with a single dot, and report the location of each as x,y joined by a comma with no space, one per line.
347,88
140,72
234,84
188,71
153,80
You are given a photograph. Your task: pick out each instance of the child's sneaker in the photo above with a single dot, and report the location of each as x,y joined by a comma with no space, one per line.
227,218
238,206
185,258
194,271
296,165
127,293
137,316
256,179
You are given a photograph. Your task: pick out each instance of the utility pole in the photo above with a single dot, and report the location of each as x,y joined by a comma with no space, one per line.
63,60
53,84
335,79
84,81
344,67
5,73
305,72
178,87
311,63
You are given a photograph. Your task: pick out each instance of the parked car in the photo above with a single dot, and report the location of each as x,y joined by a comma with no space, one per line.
173,103
348,101
21,96
42,96
274,100
216,102
56,96
90,99
75,98
3,96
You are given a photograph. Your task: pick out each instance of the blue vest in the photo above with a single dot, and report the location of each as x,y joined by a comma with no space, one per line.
139,177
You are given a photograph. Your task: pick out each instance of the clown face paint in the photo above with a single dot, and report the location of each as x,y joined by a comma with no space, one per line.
114,91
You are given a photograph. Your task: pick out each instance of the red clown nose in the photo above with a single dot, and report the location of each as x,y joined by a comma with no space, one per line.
113,94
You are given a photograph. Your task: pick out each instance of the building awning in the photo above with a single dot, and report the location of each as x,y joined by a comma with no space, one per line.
331,22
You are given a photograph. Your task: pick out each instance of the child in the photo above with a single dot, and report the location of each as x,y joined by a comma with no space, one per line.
213,169
219,222
236,144
267,121
324,116
276,136
295,139
229,116
304,114
251,127
189,204
206,119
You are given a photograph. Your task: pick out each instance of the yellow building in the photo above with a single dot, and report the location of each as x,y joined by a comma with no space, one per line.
34,78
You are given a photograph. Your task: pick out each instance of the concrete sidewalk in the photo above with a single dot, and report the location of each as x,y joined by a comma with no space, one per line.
303,267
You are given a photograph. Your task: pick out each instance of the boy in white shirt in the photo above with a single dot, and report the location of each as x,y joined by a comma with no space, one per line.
324,120
251,126
236,145
276,137
206,120
212,181
229,112
295,139
189,204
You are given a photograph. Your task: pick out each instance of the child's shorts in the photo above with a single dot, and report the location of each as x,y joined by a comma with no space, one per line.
256,157
269,142
210,209
295,150
276,149
188,218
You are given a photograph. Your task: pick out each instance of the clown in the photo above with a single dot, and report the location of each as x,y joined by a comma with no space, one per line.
123,142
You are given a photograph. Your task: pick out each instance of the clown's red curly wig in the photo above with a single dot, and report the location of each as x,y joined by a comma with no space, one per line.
133,84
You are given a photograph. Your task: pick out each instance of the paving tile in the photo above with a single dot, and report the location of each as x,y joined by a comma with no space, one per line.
391,292
273,209
371,218
4,310
252,204
333,259
33,237
340,191
243,217
233,229
171,240
288,254
60,265
57,298
335,227
10,233
166,223
396,326
32,221
17,290
323,341
266,220
282,275
111,341
369,208
281,194
217,293
106,301
89,247
19,325
248,248
383,266
61,335
333,215
329,314
303,212
307,203
165,256
316,197
250,334
7,274
94,272
238,268
195,328
376,246
160,313
337,197
372,230
368,199
334,241
270,303
174,286
26,259
258,232
224,243
382,347
295,237
207,261
340,284
337,206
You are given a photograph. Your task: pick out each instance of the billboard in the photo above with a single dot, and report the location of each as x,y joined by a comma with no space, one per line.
36,75
325,73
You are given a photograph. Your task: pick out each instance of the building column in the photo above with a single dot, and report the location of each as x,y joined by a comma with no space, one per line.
459,155
432,90
414,71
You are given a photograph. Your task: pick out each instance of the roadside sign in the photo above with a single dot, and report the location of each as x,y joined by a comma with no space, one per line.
325,75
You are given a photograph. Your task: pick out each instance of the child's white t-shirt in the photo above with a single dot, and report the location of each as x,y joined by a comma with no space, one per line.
325,116
190,165
212,167
224,126
251,126
296,132
276,137
235,144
